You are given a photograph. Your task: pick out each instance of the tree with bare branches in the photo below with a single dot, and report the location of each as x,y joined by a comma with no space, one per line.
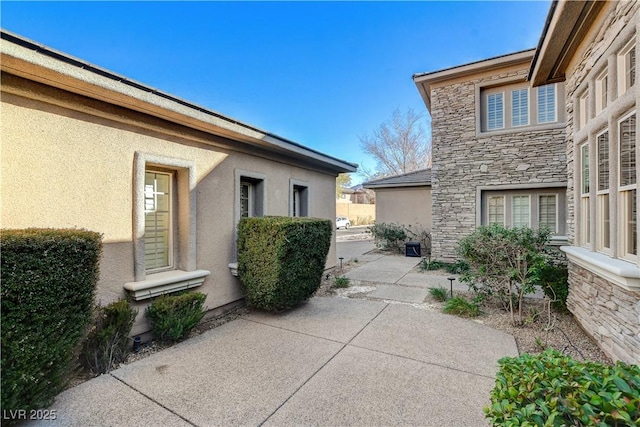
400,145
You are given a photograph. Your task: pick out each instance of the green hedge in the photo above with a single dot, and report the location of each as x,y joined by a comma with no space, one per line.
281,259
48,282
551,389
174,316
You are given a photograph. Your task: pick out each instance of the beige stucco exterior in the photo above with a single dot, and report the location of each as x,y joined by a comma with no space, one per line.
404,205
69,161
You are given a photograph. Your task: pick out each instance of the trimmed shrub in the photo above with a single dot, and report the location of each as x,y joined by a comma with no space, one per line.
48,282
174,316
551,389
108,342
281,259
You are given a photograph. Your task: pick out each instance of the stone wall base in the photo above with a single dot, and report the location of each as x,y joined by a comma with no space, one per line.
607,312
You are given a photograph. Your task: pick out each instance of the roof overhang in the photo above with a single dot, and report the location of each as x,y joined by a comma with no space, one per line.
399,185
424,81
565,28
27,59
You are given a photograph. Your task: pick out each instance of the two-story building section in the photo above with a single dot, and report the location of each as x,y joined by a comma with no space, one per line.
498,150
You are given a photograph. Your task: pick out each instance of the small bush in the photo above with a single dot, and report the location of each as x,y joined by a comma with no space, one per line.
281,259
341,282
461,307
439,294
108,342
174,316
427,265
553,279
389,237
48,282
551,389
458,267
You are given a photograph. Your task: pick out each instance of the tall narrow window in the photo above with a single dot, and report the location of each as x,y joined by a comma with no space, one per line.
299,193
547,103
157,220
520,211
495,111
548,212
520,107
602,212
495,210
584,109
601,91
246,199
585,216
628,186
627,67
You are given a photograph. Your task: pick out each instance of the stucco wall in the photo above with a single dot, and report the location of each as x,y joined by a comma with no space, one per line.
465,159
64,168
404,205
356,212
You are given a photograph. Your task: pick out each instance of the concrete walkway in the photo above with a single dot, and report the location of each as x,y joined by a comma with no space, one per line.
330,362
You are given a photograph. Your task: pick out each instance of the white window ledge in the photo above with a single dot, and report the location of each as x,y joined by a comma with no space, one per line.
623,273
233,266
164,283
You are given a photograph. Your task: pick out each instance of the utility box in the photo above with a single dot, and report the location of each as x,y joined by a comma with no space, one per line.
412,249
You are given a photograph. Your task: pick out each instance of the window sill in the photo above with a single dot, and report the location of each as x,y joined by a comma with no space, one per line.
558,240
623,273
233,266
164,283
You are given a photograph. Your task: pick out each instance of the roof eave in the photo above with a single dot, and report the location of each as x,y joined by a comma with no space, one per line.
566,25
30,60
409,184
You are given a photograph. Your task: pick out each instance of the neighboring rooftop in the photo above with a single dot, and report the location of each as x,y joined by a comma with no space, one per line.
411,179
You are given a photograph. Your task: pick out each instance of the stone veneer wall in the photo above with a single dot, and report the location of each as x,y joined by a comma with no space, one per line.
607,312
463,161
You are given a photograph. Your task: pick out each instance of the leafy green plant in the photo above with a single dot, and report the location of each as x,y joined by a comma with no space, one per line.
504,262
462,307
458,267
389,236
553,279
281,260
551,389
341,282
108,342
429,265
48,282
174,316
439,294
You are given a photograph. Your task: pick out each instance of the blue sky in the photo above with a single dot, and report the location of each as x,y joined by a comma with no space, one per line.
319,73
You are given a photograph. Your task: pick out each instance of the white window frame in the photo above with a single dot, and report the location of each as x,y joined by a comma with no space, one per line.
602,83
557,213
585,208
624,67
540,105
623,200
170,211
526,106
250,198
583,106
528,210
488,114
603,211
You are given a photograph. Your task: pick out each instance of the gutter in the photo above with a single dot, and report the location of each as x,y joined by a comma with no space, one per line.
547,24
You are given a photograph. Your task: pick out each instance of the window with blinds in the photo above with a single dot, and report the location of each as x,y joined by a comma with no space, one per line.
602,215
158,227
548,211
495,111
585,218
495,210
520,107
547,104
628,185
246,199
520,211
